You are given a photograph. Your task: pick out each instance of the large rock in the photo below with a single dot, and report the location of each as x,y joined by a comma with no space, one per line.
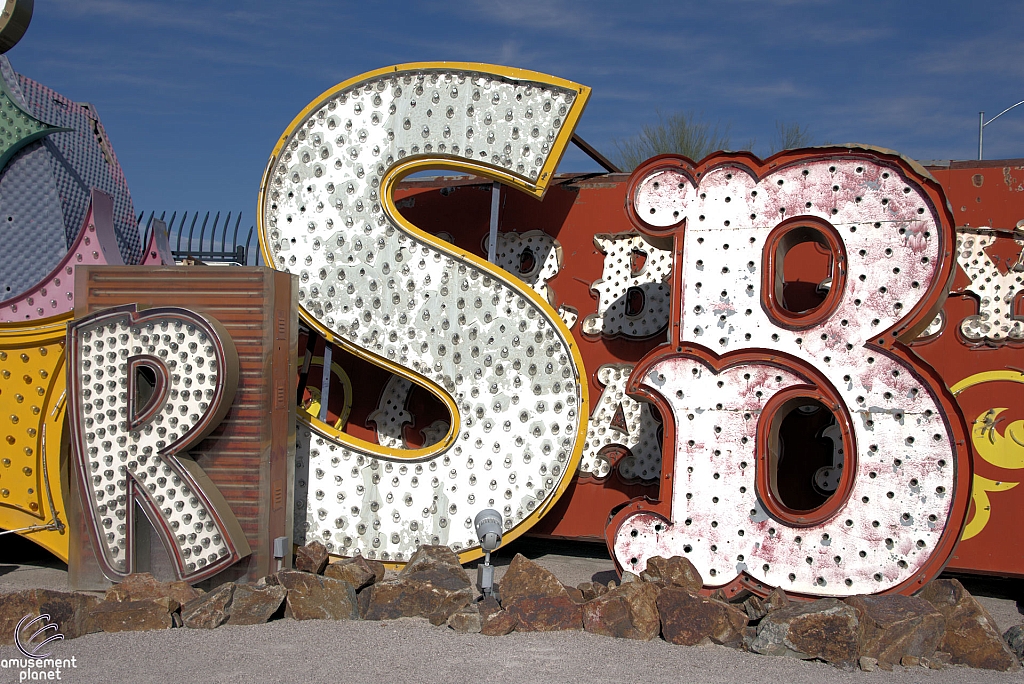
893,627
312,597
210,610
627,612
575,594
537,599
826,629
140,586
433,584
311,558
356,571
971,637
467,620
137,616
396,598
591,590
378,568
757,607
688,620
776,600
673,572
1014,638
71,612
438,565
493,620
254,605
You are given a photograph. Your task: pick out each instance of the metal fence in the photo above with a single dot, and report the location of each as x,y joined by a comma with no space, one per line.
191,238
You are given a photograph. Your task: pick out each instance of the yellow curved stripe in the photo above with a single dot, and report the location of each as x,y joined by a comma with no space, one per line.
313,408
1003,451
982,506
987,376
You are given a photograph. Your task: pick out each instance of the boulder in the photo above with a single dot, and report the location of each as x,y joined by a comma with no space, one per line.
379,571
137,616
776,600
312,597
755,608
255,605
493,620
688,620
139,586
575,594
436,564
433,584
826,629
910,661
311,558
971,637
894,627
628,612
356,571
466,620
488,605
537,599
396,598
70,611
591,590
1014,638
673,572
209,611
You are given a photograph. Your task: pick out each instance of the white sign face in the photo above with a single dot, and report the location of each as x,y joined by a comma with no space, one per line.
633,291
144,388
624,426
995,322
489,347
742,362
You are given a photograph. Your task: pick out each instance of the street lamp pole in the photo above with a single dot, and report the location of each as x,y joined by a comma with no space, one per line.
982,123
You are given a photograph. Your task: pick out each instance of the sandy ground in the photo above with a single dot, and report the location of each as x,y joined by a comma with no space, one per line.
412,650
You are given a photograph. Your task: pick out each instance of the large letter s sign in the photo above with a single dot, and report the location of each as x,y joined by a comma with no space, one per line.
489,347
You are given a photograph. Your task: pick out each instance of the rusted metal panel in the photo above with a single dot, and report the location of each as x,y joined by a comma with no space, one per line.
248,454
984,194
977,348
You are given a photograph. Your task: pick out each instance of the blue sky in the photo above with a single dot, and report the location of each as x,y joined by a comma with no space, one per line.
194,94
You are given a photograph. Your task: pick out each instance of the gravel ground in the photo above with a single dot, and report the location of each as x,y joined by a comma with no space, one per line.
413,650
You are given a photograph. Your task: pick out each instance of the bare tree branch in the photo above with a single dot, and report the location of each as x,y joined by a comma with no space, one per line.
680,133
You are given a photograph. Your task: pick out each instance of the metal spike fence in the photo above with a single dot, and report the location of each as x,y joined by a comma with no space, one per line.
221,242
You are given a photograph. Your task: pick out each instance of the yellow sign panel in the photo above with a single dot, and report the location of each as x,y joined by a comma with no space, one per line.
32,407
